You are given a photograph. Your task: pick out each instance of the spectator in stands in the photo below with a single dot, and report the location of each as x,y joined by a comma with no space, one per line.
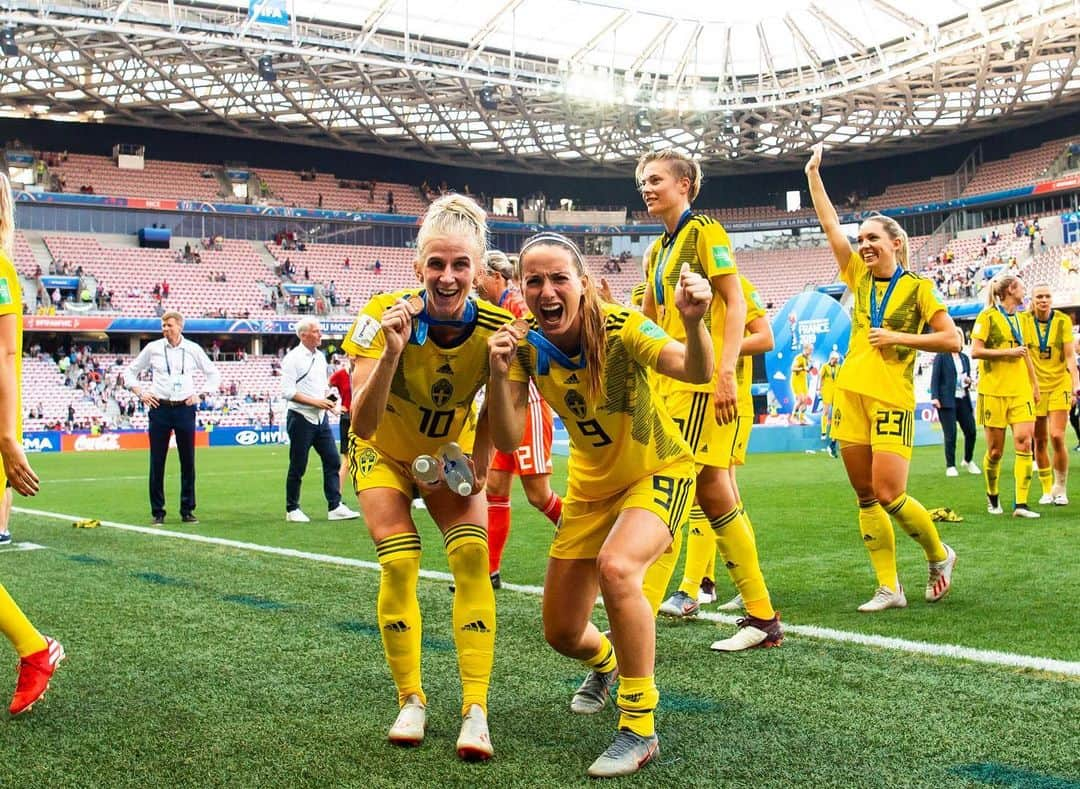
306,387
346,263
215,349
390,202
164,289
170,397
950,392
377,266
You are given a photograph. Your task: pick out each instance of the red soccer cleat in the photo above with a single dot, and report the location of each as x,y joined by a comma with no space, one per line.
34,673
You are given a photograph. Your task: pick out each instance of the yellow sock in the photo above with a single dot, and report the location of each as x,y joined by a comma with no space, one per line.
14,624
992,471
658,576
399,611
637,702
604,659
700,548
1022,476
474,611
878,537
735,541
916,521
1046,479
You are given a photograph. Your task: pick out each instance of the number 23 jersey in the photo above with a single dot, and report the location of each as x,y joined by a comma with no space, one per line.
628,434
433,388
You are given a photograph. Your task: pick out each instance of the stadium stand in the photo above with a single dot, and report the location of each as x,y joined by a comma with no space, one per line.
158,179
1020,169
304,189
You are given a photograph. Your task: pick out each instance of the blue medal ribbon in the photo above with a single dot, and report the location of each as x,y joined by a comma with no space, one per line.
1044,339
546,351
877,314
422,320
667,244
1014,325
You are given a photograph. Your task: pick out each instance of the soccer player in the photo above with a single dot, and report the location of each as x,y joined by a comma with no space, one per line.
800,387
829,371
421,356
1008,388
1054,357
874,396
706,413
631,474
39,655
531,461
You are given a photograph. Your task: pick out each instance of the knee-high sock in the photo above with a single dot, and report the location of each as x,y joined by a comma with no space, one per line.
637,702
658,576
604,659
553,509
399,611
700,550
1046,479
916,521
498,529
1022,476
992,472
474,611
14,624
878,537
737,547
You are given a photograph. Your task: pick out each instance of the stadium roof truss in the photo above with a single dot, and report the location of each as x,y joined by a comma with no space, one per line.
576,87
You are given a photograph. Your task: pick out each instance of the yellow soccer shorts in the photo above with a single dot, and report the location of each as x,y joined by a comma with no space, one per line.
734,436
799,388
1002,411
863,420
695,416
370,468
585,525
1057,399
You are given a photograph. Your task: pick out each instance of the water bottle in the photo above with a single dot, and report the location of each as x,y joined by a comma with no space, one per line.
426,469
456,470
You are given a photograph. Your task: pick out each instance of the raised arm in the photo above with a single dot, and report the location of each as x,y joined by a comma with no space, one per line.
371,378
693,362
506,400
824,209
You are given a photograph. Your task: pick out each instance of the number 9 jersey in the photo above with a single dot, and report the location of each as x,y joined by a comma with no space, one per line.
433,388
628,435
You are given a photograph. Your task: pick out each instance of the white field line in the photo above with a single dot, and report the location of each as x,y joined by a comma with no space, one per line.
15,547
988,656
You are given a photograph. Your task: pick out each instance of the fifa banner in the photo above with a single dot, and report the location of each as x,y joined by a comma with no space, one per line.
268,12
810,318
42,441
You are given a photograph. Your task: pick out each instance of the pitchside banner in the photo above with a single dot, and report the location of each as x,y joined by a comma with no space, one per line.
809,318
42,441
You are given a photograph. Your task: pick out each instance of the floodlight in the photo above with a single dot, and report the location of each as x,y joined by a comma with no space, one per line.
7,42
643,121
266,68
488,98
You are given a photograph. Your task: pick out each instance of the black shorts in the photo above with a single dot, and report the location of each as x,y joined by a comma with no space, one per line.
346,433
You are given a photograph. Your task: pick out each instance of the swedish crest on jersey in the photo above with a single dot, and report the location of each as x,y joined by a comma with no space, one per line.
576,403
441,392
366,461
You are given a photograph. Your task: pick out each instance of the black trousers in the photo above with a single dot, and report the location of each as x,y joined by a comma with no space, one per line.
164,421
302,437
949,417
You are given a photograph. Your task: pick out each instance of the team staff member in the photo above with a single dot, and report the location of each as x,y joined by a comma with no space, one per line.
631,474
38,655
1008,388
874,399
304,384
341,380
669,181
420,359
1054,357
531,461
950,392
171,397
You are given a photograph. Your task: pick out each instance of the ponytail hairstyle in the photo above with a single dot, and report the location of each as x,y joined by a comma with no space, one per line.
679,164
7,216
894,231
593,337
454,215
998,287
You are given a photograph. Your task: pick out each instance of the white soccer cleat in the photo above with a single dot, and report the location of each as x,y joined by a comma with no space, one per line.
993,505
408,728
752,633
474,741
734,604
1061,499
952,472
940,580
297,516
627,754
884,598
1046,498
594,692
1022,511
342,513
680,605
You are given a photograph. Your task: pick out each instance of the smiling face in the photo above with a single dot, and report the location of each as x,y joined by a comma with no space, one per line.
876,248
663,193
447,268
553,288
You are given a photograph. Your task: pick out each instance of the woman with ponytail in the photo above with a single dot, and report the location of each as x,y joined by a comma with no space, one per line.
631,473
1008,388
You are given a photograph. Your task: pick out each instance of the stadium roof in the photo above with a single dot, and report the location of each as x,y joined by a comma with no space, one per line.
576,87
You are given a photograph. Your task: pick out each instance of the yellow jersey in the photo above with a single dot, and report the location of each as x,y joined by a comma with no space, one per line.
11,304
800,366
433,388
637,294
1003,377
627,435
1049,361
886,375
703,243
828,375
744,370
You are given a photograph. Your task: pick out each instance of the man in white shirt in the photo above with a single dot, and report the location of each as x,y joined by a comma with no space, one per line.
305,386
170,399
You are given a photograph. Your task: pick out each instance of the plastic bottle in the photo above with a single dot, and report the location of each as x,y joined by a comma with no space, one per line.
426,469
456,470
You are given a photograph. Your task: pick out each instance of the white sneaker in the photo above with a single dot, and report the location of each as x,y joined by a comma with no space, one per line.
940,580
884,598
341,513
972,468
993,505
1061,499
474,741
734,604
408,728
1022,511
297,516
1046,498
952,472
